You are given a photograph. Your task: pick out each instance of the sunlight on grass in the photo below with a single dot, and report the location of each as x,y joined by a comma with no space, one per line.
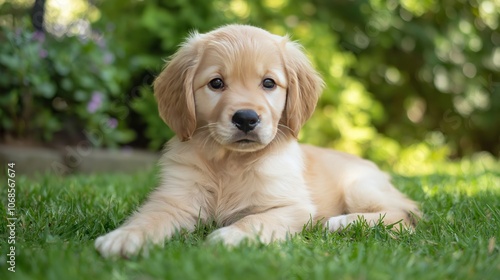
485,182
425,159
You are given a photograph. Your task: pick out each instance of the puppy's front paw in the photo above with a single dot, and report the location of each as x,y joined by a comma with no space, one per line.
230,236
125,242
337,223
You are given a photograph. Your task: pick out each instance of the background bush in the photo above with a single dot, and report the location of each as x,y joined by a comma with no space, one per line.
66,87
406,80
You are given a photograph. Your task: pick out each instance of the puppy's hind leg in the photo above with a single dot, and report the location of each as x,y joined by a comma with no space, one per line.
373,198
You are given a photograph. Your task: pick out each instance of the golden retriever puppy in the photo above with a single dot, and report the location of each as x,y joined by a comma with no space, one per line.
236,98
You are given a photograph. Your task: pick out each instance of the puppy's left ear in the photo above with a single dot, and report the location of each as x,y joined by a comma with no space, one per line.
304,87
173,89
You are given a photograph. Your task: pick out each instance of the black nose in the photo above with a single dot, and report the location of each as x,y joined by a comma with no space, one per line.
246,120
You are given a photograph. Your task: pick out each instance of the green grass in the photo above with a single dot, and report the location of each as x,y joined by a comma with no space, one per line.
59,218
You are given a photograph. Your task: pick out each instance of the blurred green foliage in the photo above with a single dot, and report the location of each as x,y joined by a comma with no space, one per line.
65,86
407,81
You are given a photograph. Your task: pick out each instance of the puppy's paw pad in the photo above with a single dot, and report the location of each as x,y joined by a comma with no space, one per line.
120,242
337,223
231,236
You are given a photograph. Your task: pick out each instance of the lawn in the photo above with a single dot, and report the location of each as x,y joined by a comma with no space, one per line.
59,219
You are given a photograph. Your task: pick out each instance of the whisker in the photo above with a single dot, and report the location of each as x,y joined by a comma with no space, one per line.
286,127
204,144
207,126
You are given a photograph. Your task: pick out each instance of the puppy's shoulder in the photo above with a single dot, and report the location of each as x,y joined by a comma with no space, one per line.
181,153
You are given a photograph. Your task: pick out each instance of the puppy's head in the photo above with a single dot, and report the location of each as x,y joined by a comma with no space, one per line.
241,84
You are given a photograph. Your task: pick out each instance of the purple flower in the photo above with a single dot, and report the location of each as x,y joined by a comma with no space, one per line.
112,123
95,102
39,36
43,53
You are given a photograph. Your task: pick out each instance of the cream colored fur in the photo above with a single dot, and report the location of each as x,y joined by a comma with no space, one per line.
262,189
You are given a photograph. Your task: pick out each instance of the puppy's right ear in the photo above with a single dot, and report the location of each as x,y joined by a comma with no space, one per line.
173,89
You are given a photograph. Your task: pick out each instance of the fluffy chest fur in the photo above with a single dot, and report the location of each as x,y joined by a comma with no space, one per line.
224,187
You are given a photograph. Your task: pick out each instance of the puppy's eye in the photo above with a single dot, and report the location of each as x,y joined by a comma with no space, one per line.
216,84
268,83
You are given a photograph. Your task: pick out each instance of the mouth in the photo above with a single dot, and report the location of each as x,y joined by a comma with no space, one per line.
245,141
